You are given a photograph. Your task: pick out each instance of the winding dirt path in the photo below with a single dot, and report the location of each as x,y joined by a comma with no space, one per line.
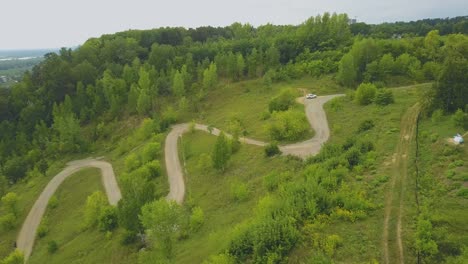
27,235
392,238
315,115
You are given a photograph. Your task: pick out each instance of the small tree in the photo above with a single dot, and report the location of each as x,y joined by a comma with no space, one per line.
16,257
197,218
460,119
272,149
365,93
10,201
95,205
52,246
221,153
384,97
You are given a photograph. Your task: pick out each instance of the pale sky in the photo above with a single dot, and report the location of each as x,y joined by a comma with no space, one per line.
28,24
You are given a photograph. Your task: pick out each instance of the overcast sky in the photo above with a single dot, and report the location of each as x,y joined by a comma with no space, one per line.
27,24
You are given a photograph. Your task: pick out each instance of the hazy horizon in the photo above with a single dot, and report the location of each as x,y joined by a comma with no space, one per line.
50,24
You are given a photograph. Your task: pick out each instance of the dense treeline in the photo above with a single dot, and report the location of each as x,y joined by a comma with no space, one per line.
414,28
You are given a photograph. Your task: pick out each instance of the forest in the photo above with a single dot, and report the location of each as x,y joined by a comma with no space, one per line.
138,83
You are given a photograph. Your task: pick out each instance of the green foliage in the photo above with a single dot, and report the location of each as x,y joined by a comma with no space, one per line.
52,246
272,149
53,202
10,203
16,257
107,219
95,205
425,243
384,97
7,222
197,218
163,221
288,125
437,115
239,191
221,153
365,125
283,101
460,119
365,93
220,259
132,162
150,152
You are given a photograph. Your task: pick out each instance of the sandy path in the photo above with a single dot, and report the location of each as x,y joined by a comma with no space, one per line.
27,235
394,205
315,115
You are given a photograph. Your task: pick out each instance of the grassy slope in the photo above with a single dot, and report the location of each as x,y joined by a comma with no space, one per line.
65,222
362,239
210,190
248,100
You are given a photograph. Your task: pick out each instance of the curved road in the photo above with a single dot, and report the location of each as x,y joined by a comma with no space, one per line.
314,112
27,235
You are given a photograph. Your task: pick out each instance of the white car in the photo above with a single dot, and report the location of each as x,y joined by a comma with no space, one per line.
311,96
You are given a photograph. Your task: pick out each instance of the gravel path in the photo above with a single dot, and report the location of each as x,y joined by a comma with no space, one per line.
27,235
314,112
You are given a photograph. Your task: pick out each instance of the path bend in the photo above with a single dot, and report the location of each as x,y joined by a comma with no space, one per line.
27,235
315,115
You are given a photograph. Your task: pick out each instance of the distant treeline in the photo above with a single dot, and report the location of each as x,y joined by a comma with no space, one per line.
445,26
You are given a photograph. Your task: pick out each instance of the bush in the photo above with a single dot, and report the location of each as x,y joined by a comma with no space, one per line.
460,119
437,115
108,219
239,191
16,257
7,222
154,168
272,149
365,125
288,125
52,246
384,97
365,93
132,162
150,152
53,202
353,156
196,219
283,101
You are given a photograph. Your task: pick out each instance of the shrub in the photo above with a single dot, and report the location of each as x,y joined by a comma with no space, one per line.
288,125
353,156
52,246
16,257
154,168
132,162
7,222
239,191
365,125
150,152
234,144
53,202
197,218
108,219
384,97
460,119
272,149
283,101
365,93
437,115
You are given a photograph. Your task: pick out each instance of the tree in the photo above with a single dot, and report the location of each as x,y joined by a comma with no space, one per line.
10,203
95,205
365,93
460,119
178,85
210,77
221,153
240,66
144,102
288,125
16,257
347,72
162,220
384,97
133,96
425,243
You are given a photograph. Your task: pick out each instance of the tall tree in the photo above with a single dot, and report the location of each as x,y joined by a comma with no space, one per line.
221,152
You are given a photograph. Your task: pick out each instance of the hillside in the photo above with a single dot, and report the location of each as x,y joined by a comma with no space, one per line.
371,177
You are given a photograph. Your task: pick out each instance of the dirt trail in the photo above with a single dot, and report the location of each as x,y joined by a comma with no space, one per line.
315,115
394,201
27,235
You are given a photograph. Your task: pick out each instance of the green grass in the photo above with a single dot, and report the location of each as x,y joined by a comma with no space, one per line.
65,224
248,102
211,190
362,239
